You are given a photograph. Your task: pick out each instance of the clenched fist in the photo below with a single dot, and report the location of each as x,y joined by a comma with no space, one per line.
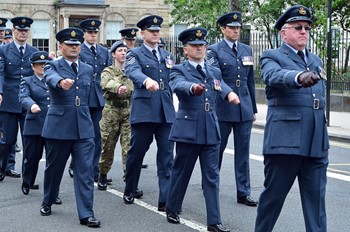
307,79
66,83
198,89
233,98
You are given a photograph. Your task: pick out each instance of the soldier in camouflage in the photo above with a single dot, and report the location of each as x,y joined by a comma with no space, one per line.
117,90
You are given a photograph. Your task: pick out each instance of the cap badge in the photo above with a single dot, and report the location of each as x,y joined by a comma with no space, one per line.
155,20
93,23
7,32
133,32
73,33
302,11
235,16
23,21
42,57
199,33
0,21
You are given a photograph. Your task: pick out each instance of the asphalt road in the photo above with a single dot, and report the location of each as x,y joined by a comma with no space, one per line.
21,213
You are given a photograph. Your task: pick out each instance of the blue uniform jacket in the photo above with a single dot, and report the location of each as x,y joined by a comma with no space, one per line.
238,73
98,63
12,69
296,122
68,117
33,91
196,120
146,106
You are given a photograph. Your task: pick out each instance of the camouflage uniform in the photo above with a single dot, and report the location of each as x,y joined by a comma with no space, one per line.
115,116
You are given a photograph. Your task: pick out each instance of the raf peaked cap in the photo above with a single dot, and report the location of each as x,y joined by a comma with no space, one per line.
118,44
71,35
129,33
152,23
232,19
194,35
90,24
40,57
22,23
8,33
2,24
292,14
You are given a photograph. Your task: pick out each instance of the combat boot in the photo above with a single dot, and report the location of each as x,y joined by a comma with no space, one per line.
102,182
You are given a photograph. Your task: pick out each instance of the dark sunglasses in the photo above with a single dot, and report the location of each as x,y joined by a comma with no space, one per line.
299,28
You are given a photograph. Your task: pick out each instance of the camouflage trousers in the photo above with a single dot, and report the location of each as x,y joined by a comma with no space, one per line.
114,123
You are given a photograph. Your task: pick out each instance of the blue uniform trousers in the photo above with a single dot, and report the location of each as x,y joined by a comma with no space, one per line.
141,138
280,173
185,160
96,115
57,154
241,139
33,147
8,136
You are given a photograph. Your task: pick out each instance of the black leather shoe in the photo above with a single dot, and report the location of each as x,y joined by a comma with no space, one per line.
109,181
13,174
128,198
247,200
90,222
34,186
25,188
161,206
144,166
217,228
45,210
102,182
138,194
58,201
70,172
172,217
2,175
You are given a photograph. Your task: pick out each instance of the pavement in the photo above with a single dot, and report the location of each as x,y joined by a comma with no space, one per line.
338,129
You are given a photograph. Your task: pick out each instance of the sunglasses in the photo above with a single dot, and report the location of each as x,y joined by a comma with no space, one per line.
299,28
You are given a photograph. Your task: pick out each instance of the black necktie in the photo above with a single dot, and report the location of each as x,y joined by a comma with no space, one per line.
301,54
93,50
74,67
21,50
155,53
234,49
200,70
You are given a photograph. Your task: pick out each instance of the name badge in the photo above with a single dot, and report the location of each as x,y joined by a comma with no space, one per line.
247,60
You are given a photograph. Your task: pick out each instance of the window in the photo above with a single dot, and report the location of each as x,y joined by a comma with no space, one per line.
112,32
40,34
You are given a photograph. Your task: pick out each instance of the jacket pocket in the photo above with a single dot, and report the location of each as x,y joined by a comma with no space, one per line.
285,130
185,126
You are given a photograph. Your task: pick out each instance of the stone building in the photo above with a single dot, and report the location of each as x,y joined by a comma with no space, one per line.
50,16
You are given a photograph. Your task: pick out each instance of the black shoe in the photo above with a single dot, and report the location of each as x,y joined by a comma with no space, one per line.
217,228
109,180
2,175
25,188
90,222
144,166
128,198
58,201
70,172
247,200
138,194
34,186
45,210
172,217
102,182
17,149
161,206
13,174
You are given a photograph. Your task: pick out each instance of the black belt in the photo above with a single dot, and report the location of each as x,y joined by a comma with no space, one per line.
207,107
119,104
312,103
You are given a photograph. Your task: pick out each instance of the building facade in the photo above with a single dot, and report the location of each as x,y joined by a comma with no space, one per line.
50,16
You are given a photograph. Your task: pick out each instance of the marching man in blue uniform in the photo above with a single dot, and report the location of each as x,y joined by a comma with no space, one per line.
68,127
235,61
295,139
2,30
98,57
196,128
129,36
152,110
14,65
